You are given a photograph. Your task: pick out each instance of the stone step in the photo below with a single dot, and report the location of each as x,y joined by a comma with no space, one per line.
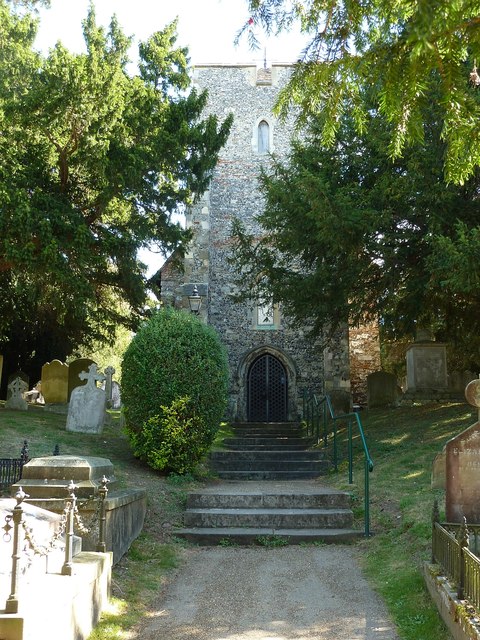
266,447
280,464
266,455
272,518
291,499
270,433
264,535
281,442
274,475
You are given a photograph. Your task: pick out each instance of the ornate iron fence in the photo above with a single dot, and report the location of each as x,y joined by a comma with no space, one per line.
454,548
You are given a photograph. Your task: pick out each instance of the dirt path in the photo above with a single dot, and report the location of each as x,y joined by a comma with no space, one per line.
301,593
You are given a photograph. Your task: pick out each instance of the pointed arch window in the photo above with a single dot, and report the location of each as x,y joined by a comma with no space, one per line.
263,132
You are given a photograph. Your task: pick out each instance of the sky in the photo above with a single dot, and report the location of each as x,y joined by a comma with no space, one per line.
207,27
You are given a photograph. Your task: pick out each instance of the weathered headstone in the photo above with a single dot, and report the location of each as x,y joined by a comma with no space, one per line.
55,382
16,400
382,389
116,395
86,411
109,371
18,374
427,366
75,368
463,468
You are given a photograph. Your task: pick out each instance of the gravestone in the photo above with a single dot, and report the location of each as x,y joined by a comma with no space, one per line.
75,368
109,371
16,400
382,389
463,468
14,376
116,395
426,366
55,382
86,411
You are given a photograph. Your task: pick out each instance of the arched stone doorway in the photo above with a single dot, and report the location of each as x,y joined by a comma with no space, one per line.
267,390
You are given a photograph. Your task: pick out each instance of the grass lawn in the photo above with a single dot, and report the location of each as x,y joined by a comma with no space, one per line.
403,443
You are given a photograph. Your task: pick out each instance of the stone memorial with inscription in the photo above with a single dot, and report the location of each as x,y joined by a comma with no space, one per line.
86,411
16,400
463,468
426,364
55,382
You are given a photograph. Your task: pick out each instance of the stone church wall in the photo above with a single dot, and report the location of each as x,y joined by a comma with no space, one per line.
234,193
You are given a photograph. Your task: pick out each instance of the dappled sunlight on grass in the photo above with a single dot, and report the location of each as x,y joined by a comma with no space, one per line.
396,440
413,474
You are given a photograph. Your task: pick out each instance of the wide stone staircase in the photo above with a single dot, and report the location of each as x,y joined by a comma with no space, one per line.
268,491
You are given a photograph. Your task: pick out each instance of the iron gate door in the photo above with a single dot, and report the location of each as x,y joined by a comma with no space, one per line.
267,390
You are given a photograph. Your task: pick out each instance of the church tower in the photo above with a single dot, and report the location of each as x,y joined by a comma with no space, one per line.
270,363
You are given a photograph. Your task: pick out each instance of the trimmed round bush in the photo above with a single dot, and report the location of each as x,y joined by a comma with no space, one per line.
173,357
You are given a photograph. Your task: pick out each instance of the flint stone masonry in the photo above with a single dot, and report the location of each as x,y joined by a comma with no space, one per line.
234,193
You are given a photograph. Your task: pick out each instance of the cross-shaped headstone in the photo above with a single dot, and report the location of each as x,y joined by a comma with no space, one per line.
17,387
92,377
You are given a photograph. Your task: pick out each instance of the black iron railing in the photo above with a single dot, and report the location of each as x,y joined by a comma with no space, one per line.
11,468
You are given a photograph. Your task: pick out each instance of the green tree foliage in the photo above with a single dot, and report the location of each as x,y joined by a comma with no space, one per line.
173,356
349,234
94,162
398,48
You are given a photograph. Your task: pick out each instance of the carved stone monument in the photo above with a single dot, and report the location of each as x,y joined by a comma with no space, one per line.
45,480
55,382
86,412
463,468
16,400
426,365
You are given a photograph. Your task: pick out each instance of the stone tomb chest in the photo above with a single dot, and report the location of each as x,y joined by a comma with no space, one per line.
46,478
45,481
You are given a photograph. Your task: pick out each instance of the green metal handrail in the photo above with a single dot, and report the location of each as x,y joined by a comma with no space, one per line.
318,409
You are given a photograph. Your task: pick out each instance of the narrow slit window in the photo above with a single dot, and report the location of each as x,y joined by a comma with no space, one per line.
263,137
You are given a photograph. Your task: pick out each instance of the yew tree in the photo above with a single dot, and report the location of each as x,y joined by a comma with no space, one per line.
350,235
95,161
397,48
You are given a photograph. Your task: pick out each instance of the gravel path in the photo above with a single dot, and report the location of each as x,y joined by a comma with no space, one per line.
301,593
